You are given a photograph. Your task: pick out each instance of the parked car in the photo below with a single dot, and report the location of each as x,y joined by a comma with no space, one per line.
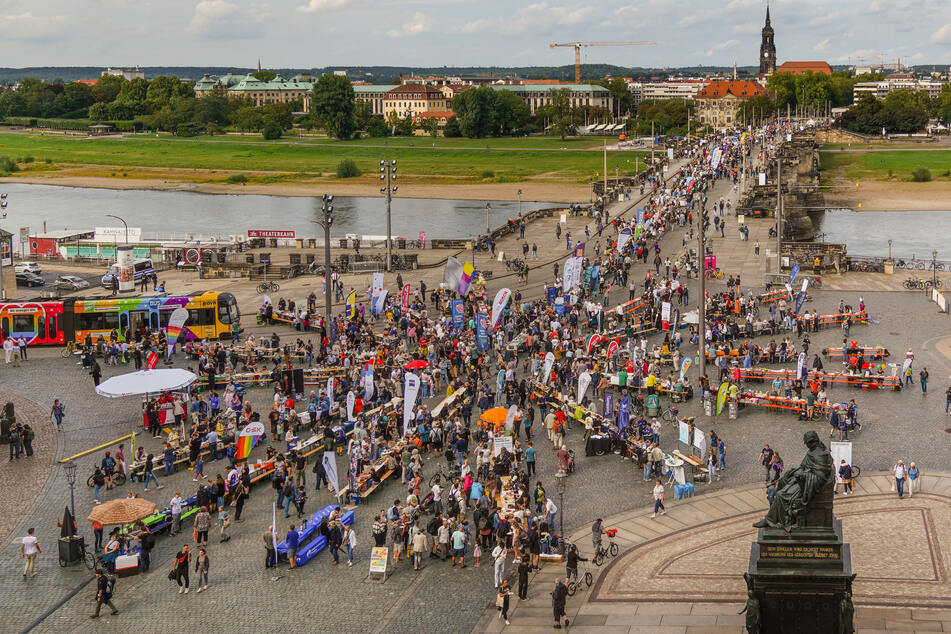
29,279
70,283
28,267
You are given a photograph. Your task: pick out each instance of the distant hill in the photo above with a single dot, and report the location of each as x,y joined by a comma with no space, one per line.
381,74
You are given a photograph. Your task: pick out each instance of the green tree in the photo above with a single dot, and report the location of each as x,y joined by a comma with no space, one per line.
332,101
474,110
264,75
377,128
452,128
563,121
430,125
77,96
106,88
509,113
99,112
755,107
272,130
362,114
247,119
280,113
623,99
133,91
163,88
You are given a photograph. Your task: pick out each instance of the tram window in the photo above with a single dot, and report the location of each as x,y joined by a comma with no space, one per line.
97,321
200,317
41,327
24,323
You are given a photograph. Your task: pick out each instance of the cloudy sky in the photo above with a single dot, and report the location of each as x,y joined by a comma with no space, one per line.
318,33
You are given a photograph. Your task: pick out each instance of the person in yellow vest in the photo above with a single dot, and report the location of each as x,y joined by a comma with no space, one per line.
651,383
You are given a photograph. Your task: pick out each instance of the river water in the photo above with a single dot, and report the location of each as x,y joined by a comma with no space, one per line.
177,213
913,233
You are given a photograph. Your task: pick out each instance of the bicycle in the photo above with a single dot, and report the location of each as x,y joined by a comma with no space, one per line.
443,476
69,350
611,548
118,479
575,583
268,286
670,414
90,560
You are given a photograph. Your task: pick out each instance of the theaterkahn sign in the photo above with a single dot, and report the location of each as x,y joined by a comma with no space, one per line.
266,233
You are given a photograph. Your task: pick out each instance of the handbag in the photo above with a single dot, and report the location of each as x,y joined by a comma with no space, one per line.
171,575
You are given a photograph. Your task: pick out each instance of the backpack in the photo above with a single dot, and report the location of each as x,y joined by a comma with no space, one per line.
433,528
98,479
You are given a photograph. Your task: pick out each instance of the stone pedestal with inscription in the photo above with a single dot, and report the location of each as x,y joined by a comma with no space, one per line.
801,580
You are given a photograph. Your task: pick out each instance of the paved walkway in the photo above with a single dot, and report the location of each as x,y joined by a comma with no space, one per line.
682,572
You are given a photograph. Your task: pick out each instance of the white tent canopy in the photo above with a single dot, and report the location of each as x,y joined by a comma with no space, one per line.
146,382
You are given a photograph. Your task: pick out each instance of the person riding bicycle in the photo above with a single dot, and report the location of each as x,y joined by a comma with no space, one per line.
572,557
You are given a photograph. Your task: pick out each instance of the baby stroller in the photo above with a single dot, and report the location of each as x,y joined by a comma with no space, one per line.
427,504
571,461
299,501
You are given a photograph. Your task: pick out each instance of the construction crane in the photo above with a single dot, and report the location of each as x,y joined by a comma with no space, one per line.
578,45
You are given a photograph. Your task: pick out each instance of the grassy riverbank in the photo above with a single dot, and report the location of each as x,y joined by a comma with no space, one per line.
884,182
420,159
886,165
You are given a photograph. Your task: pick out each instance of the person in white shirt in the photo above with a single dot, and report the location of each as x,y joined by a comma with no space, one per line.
899,472
498,554
437,498
29,547
551,510
175,506
659,499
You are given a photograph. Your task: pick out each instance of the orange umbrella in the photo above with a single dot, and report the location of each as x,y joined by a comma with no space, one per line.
495,415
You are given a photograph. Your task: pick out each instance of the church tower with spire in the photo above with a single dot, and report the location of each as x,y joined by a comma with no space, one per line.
767,50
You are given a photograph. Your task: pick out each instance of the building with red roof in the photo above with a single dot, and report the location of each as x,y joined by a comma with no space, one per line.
718,101
799,68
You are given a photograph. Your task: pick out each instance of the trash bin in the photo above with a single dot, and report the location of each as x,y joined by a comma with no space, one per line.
653,405
70,550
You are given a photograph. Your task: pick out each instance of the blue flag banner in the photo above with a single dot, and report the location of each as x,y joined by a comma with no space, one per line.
482,332
552,292
800,298
458,318
624,413
608,408
793,273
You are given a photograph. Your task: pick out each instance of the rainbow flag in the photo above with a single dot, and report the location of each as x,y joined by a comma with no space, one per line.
248,439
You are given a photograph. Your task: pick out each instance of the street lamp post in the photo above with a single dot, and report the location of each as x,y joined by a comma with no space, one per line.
124,224
519,194
562,482
3,208
69,467
934,268
488,229
328,209
388,174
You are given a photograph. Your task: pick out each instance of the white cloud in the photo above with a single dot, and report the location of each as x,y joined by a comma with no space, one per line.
750,28
540,17
26,26
942,35
481,24
823,45
877,6
323,5
743,4
221,19
722,46
419,24
825,18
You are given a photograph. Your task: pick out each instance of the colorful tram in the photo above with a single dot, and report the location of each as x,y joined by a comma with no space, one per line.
211,315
